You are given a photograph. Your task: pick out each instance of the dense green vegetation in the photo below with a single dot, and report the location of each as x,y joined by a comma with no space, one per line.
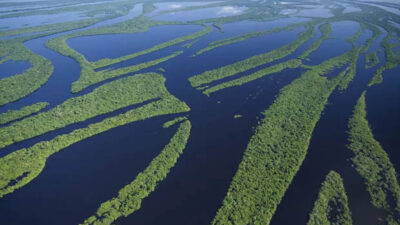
280,142
104,99
12,115
294,63
174,121
20,85
277,149
373,164
88,79
371,60
252,62
332,201
22,166
130,197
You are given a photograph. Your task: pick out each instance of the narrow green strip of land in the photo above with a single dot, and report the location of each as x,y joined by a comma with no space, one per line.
277,149
291,64
91,78
373,164
104,99
232,40
22,166
326,30
12,115
130,197
252,62
107,61
332,205
174,121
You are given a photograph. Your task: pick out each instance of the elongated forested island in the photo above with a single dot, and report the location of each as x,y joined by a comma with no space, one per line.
188,112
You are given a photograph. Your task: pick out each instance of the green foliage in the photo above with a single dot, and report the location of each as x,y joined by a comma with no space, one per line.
88,79
20,85
392,61
277,149
243,37
326,30
294,63
373,163
22,166
104,99
237,116
174,121
252,62
130,197
332,193
12,115
371,60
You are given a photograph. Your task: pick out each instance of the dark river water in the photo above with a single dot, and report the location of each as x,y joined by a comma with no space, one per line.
79,178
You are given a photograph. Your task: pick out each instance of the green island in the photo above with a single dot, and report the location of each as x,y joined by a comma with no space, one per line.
20,85
112,96
174,121
243,37
252,62
392,60
277,149
326,30
371,60
88,79
373,164
332,205
130,197
22,166
12,115
291,64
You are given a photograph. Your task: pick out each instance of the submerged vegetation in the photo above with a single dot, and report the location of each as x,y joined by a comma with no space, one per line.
130,197
373,164
331,206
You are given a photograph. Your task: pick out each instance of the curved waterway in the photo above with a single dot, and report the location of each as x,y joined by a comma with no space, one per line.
66,70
